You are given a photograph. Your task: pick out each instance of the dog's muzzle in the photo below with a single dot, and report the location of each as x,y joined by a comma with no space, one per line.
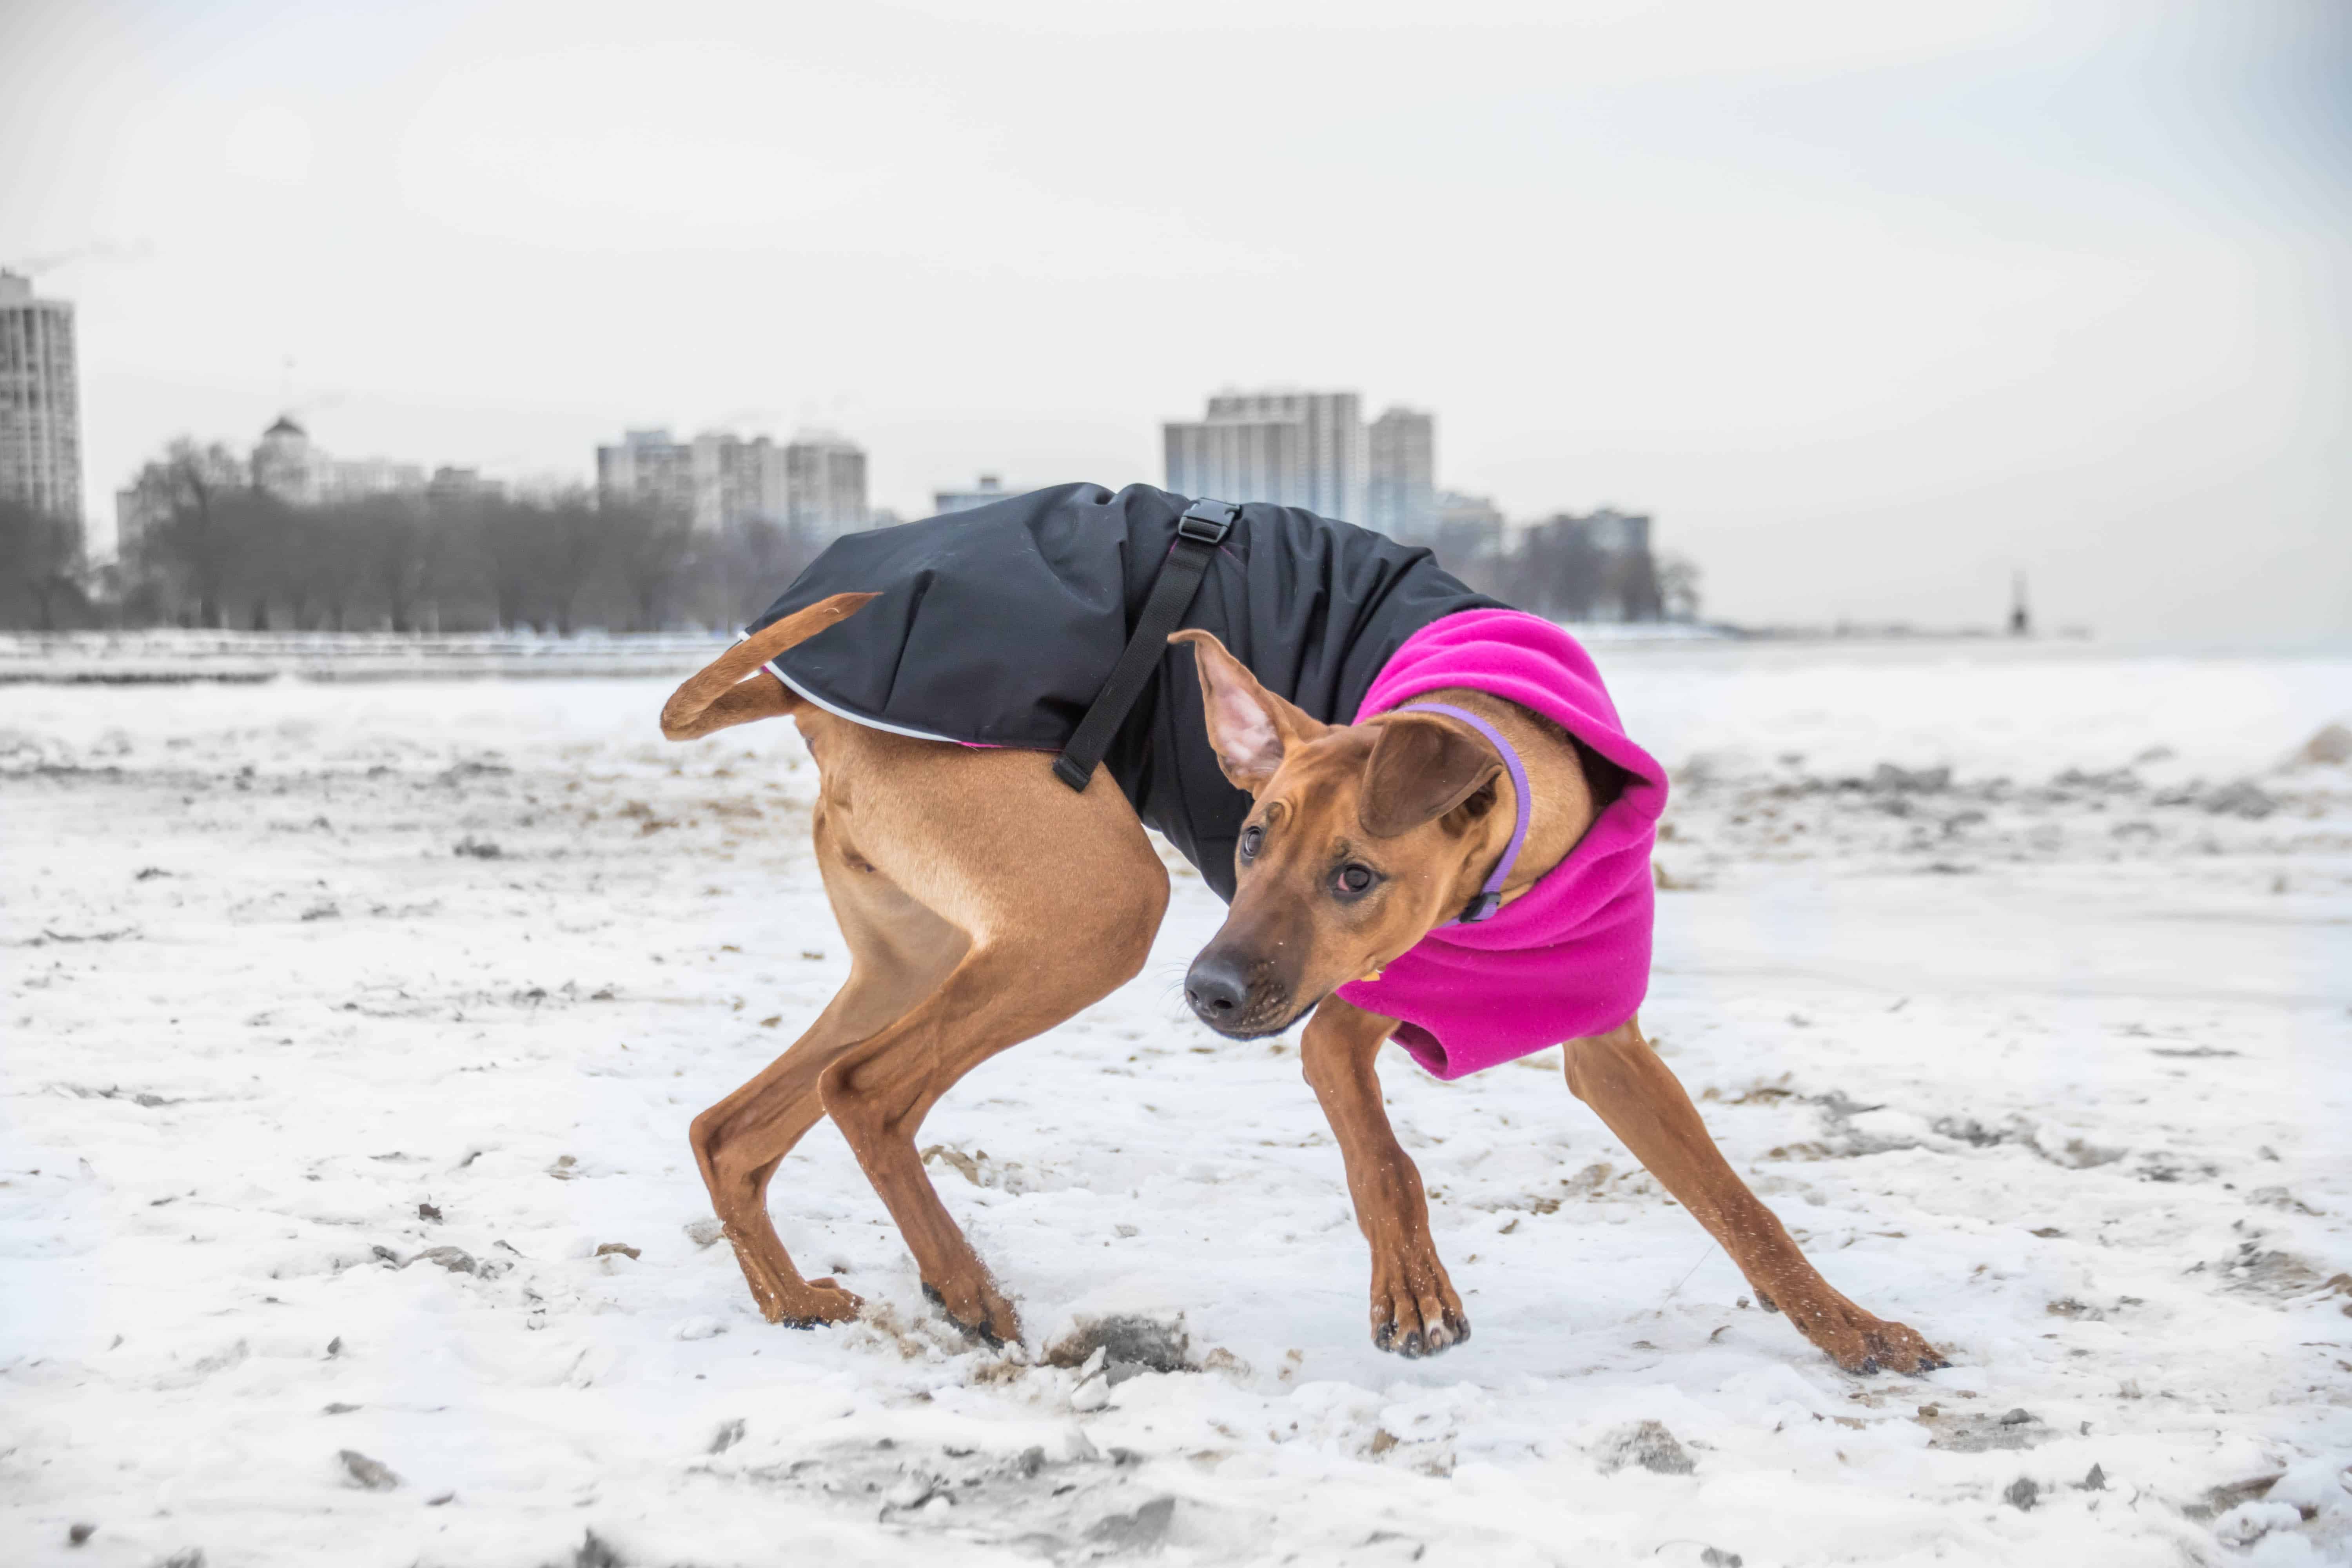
1224,994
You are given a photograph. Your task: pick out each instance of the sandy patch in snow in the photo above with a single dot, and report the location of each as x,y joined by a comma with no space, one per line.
346,1215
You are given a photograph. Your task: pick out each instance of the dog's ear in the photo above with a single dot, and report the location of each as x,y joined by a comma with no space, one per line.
1249,726
1422,765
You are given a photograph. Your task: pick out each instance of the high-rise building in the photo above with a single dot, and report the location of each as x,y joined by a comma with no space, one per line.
1615,533
648,467
825,485
990,488
815,485
734,481
1468,531
1597,567
1295,448
452,484
289,467
1400,487
713,480
40,401
133,518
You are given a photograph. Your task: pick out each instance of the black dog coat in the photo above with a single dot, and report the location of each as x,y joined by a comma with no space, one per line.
998,625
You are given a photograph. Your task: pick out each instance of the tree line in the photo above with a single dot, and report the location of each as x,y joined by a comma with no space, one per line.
210,548
1568,568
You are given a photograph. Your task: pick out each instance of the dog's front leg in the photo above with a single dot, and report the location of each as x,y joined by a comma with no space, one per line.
1621,1077
1415,1310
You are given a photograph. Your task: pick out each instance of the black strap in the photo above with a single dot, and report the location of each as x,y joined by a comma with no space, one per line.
1199,531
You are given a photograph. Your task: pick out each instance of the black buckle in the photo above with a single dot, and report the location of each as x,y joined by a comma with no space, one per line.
1481,908
1207,521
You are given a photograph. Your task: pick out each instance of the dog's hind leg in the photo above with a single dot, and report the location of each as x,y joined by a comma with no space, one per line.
899,951
1415,1310
1621,1077
1060,894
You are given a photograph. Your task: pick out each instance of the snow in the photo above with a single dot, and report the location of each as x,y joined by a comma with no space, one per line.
350,1027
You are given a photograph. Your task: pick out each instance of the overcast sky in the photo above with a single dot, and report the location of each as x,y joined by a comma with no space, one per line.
1869,304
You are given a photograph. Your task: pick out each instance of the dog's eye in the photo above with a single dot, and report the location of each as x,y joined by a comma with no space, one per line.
1252,837
1353,878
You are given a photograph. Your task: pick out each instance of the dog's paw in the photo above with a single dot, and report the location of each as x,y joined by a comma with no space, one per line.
816,1301
783,1297
979,1311
1863,1344
1415,1310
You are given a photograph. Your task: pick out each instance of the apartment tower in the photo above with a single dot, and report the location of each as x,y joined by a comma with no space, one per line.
1294,448
1400,495
40,401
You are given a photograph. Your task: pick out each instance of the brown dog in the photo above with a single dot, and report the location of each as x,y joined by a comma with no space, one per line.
960,877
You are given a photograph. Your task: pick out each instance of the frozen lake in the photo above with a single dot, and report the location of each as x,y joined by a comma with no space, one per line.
2019,980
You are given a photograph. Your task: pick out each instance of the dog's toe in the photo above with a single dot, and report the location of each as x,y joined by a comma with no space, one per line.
817,1303
1871,1345
1415,1311
1901,1348
1416,1337
987,1317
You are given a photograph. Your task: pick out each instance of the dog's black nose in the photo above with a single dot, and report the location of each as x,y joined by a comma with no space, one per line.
1217,990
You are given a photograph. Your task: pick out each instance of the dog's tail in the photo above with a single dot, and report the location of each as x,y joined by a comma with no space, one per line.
717,696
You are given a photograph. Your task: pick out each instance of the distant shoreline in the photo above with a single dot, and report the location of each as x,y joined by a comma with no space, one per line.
176,657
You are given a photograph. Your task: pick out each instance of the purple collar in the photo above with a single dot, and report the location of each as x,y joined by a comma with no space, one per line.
1490,897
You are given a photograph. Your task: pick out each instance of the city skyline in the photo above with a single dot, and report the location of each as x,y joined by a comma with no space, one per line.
813,484
814,480
1861,305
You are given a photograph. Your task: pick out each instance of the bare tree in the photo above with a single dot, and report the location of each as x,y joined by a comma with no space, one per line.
188,498
328,565
647,550
401,542
1678,579
502,555
575,537
1632,581
268,560
759,560
40,564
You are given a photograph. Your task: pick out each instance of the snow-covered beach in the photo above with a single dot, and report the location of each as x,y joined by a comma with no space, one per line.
346,1214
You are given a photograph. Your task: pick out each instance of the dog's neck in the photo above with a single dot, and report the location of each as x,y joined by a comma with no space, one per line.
1563,800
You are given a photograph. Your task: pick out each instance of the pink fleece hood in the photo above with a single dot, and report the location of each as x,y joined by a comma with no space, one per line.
1570,956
